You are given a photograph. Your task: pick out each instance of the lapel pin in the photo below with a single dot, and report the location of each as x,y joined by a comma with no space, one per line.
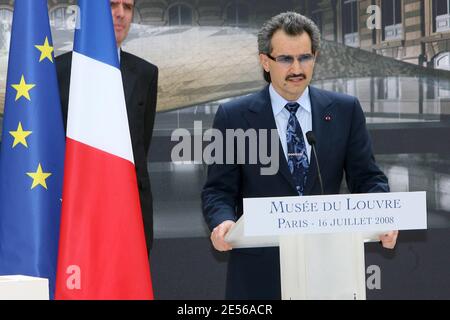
327,118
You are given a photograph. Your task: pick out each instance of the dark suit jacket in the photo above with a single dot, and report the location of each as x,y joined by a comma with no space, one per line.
343,145
140,81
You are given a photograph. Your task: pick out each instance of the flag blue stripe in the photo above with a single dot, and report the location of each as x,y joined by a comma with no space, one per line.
30,218
95,34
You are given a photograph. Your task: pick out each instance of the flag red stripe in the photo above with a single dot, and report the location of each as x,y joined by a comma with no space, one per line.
101,229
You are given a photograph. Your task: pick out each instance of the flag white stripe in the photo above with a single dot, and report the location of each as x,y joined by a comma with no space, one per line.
97,113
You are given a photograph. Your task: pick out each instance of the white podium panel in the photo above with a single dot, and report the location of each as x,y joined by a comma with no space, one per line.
322,267
17,287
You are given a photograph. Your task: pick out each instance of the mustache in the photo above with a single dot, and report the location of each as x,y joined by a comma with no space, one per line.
300,75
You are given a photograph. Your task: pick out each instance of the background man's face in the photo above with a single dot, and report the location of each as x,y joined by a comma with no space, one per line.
289,81
122,12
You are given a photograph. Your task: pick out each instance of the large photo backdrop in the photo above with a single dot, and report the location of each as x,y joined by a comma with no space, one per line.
206,52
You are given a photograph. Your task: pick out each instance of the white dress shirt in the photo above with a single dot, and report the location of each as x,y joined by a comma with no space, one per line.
282,115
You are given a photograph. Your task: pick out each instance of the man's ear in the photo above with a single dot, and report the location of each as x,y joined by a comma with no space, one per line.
264,60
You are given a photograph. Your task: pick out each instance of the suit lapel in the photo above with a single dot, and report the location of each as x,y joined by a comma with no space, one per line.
260,116
129,77
321,108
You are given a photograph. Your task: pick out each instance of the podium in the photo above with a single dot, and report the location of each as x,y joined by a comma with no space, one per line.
18,287
322,263
315,266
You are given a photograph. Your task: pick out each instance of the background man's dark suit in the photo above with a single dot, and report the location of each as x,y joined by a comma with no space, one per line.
343,145
140,81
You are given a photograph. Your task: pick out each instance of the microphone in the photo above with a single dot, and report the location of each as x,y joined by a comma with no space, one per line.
312,142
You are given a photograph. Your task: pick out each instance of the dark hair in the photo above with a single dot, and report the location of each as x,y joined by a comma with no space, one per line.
292,23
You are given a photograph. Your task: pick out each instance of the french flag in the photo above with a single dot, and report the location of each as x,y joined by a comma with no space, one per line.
102,250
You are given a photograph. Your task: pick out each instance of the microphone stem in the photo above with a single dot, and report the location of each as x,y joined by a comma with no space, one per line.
318,168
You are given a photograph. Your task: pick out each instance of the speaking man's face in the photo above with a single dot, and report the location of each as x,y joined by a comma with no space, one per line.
290,64
122,12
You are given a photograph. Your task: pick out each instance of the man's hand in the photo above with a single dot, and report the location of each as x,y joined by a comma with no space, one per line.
389,239
218,236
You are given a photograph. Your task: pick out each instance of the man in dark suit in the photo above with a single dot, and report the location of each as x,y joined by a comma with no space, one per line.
288,46
140,81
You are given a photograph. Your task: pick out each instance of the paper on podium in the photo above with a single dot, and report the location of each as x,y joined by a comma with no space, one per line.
371,236
237,239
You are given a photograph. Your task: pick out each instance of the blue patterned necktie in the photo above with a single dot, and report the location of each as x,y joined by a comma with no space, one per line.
297,155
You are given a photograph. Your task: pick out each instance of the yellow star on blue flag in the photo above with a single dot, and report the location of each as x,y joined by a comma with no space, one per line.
23,89
39,177
46,51
20,136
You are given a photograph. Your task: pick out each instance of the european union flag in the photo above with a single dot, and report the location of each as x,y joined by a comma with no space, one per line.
32,149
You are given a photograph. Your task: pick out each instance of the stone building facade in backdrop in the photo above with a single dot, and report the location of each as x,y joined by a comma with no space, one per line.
415,31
